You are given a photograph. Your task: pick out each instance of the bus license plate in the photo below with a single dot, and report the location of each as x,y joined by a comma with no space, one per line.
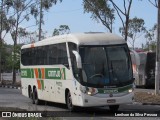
111,101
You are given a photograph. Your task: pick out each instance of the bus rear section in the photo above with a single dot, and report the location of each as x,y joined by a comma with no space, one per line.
145,68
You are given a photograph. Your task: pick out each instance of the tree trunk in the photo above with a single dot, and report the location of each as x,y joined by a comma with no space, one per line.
1,28
0,57
157,69
14,59
126,27
14,52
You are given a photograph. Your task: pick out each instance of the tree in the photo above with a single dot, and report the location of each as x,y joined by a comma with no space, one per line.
22,11
135,28
55,32
100,11
44,4
151,37
125,12
3,28
156,4
63,29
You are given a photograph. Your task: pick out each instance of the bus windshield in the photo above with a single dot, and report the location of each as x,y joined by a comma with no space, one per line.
106,66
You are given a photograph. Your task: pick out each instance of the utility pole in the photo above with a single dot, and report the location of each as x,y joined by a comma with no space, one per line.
157,69
1,29
40,21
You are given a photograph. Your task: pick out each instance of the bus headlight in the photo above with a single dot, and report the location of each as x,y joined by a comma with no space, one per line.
92,91
130,90
89,93
88,90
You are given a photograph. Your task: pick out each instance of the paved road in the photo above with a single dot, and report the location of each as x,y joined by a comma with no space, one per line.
13,98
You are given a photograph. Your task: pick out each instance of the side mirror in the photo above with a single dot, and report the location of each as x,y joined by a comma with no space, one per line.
78,59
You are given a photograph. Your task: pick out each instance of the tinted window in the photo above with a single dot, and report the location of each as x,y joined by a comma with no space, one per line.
45,55
73,46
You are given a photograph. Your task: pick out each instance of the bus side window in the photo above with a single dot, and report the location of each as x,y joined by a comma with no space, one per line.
72,47
62,54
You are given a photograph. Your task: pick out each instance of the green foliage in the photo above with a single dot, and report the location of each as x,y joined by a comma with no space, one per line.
151,38
46,5
6,51
151,33
135,29
55,32
100,11
63,29
13,59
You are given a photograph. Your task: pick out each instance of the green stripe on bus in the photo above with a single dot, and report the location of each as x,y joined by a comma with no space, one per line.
27,73
32,73
55,73
122,89
64,73
50,73
114,90
40,74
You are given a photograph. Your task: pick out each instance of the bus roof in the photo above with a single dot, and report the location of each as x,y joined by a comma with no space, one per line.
81,39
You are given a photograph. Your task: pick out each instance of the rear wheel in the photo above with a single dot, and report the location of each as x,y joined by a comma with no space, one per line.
35,98
114,108
30,93
70,106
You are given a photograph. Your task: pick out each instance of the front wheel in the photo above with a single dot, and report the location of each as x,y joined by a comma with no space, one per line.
69,102
114,108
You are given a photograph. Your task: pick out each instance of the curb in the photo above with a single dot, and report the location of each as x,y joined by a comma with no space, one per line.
150,103
9,86
137,103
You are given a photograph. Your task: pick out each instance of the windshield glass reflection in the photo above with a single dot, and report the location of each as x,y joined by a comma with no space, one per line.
105,65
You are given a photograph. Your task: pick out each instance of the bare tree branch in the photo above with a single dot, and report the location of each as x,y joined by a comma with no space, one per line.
154,4
124,4
116,7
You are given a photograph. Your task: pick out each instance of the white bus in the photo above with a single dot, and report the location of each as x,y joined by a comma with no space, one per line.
87,69
143,64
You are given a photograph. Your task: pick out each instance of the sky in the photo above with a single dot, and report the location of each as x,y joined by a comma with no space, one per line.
71,13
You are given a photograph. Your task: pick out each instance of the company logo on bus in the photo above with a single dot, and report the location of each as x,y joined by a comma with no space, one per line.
54,74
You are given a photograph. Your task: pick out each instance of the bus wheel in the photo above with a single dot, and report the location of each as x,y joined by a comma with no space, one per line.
69,102
30,94
113,108
35,98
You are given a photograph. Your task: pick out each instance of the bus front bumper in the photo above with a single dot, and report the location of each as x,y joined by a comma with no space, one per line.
89,101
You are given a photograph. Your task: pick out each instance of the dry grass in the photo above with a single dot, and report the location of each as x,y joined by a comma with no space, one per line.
144,97
9,82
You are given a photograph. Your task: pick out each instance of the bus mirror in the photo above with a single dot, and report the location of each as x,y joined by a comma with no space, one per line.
78,59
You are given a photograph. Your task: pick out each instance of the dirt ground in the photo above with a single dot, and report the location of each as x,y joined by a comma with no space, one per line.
145,97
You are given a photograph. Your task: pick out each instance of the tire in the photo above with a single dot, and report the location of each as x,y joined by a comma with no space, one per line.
70,106
114,108
35,99
30,95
